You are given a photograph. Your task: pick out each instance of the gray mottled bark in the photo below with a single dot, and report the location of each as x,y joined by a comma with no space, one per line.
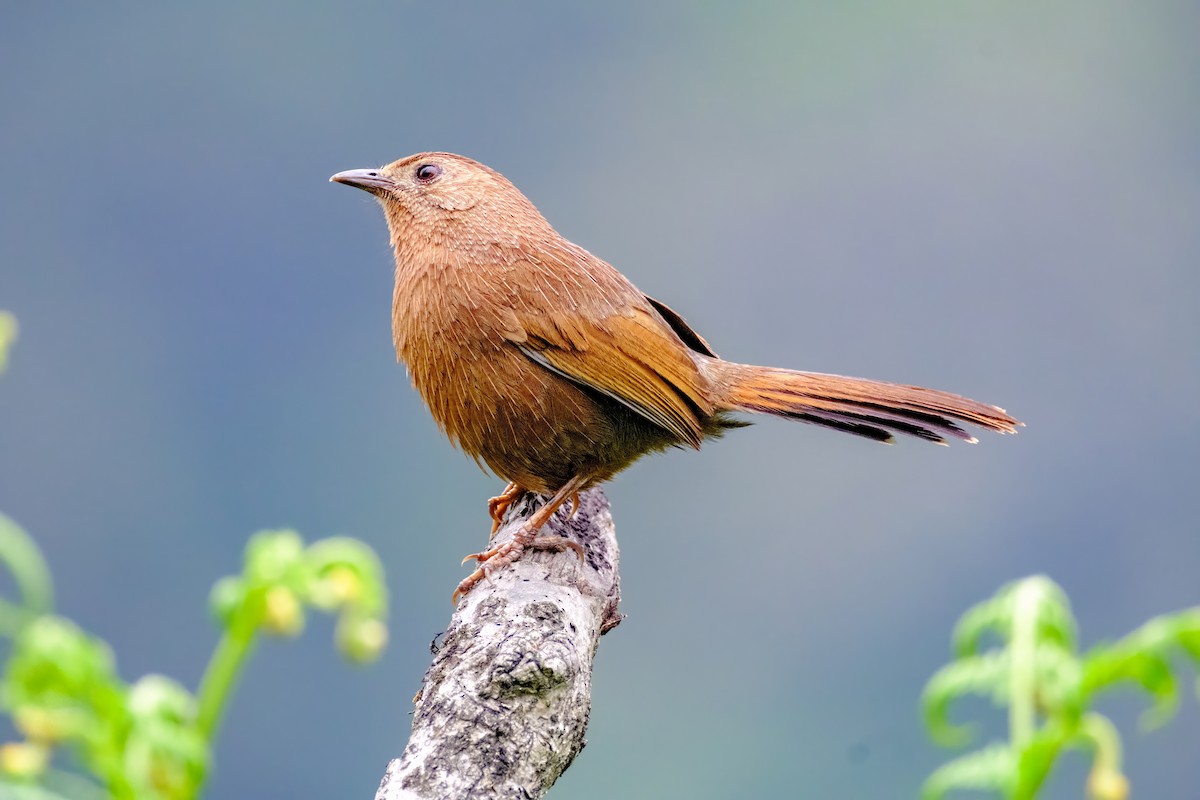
504,706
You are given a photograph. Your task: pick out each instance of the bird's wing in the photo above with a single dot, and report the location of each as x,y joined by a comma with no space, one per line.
628,357
616,343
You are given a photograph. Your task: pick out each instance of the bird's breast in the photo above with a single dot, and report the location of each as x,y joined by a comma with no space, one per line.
526,423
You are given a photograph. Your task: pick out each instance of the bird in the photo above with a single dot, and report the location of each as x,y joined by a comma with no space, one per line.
552,370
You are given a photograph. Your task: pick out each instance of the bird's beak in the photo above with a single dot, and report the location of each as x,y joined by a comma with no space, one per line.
370,180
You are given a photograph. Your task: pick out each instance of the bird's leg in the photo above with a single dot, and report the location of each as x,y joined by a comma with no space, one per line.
526,538
498,506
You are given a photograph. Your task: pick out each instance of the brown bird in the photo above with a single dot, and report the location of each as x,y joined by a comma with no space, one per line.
546,364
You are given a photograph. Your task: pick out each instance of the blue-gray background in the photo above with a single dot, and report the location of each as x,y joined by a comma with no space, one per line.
997,198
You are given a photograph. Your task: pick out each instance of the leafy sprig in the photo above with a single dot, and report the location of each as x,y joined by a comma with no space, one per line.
1049,689
152,740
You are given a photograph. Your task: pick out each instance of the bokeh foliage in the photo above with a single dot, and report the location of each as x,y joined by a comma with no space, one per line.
1050,690
152,739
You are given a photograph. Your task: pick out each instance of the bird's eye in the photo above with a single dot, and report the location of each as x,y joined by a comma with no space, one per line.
426,173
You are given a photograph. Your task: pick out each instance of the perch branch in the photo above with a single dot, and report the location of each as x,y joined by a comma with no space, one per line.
503,708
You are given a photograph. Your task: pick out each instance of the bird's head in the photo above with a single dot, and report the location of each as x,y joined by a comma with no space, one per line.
430,191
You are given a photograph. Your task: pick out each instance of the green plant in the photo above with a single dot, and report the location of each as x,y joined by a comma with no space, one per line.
1050,690
152,739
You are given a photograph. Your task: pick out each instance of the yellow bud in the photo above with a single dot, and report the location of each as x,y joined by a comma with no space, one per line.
23,759
42,725
1107,784
282,614
362,641
344,584
168,778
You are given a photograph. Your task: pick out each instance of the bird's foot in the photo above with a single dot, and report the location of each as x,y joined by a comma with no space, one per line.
498,506
509,552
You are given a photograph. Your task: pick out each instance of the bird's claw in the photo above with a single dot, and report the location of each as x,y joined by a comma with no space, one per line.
498,506
498,557
467,584
486,555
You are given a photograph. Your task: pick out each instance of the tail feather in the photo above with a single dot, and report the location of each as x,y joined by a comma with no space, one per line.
873,409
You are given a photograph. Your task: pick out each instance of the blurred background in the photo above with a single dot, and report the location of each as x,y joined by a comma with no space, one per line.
997,198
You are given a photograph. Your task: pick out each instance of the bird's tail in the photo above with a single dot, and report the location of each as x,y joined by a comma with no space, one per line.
873,409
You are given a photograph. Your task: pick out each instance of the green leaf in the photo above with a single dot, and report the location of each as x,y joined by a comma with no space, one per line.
992,768
1143,658
1037,758
1055,622
55,664
1056,683
1057,679
272,555
226,598
1105,668
165,755
985,674
28,568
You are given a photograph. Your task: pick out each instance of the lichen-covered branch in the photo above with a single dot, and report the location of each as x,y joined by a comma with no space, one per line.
504,706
